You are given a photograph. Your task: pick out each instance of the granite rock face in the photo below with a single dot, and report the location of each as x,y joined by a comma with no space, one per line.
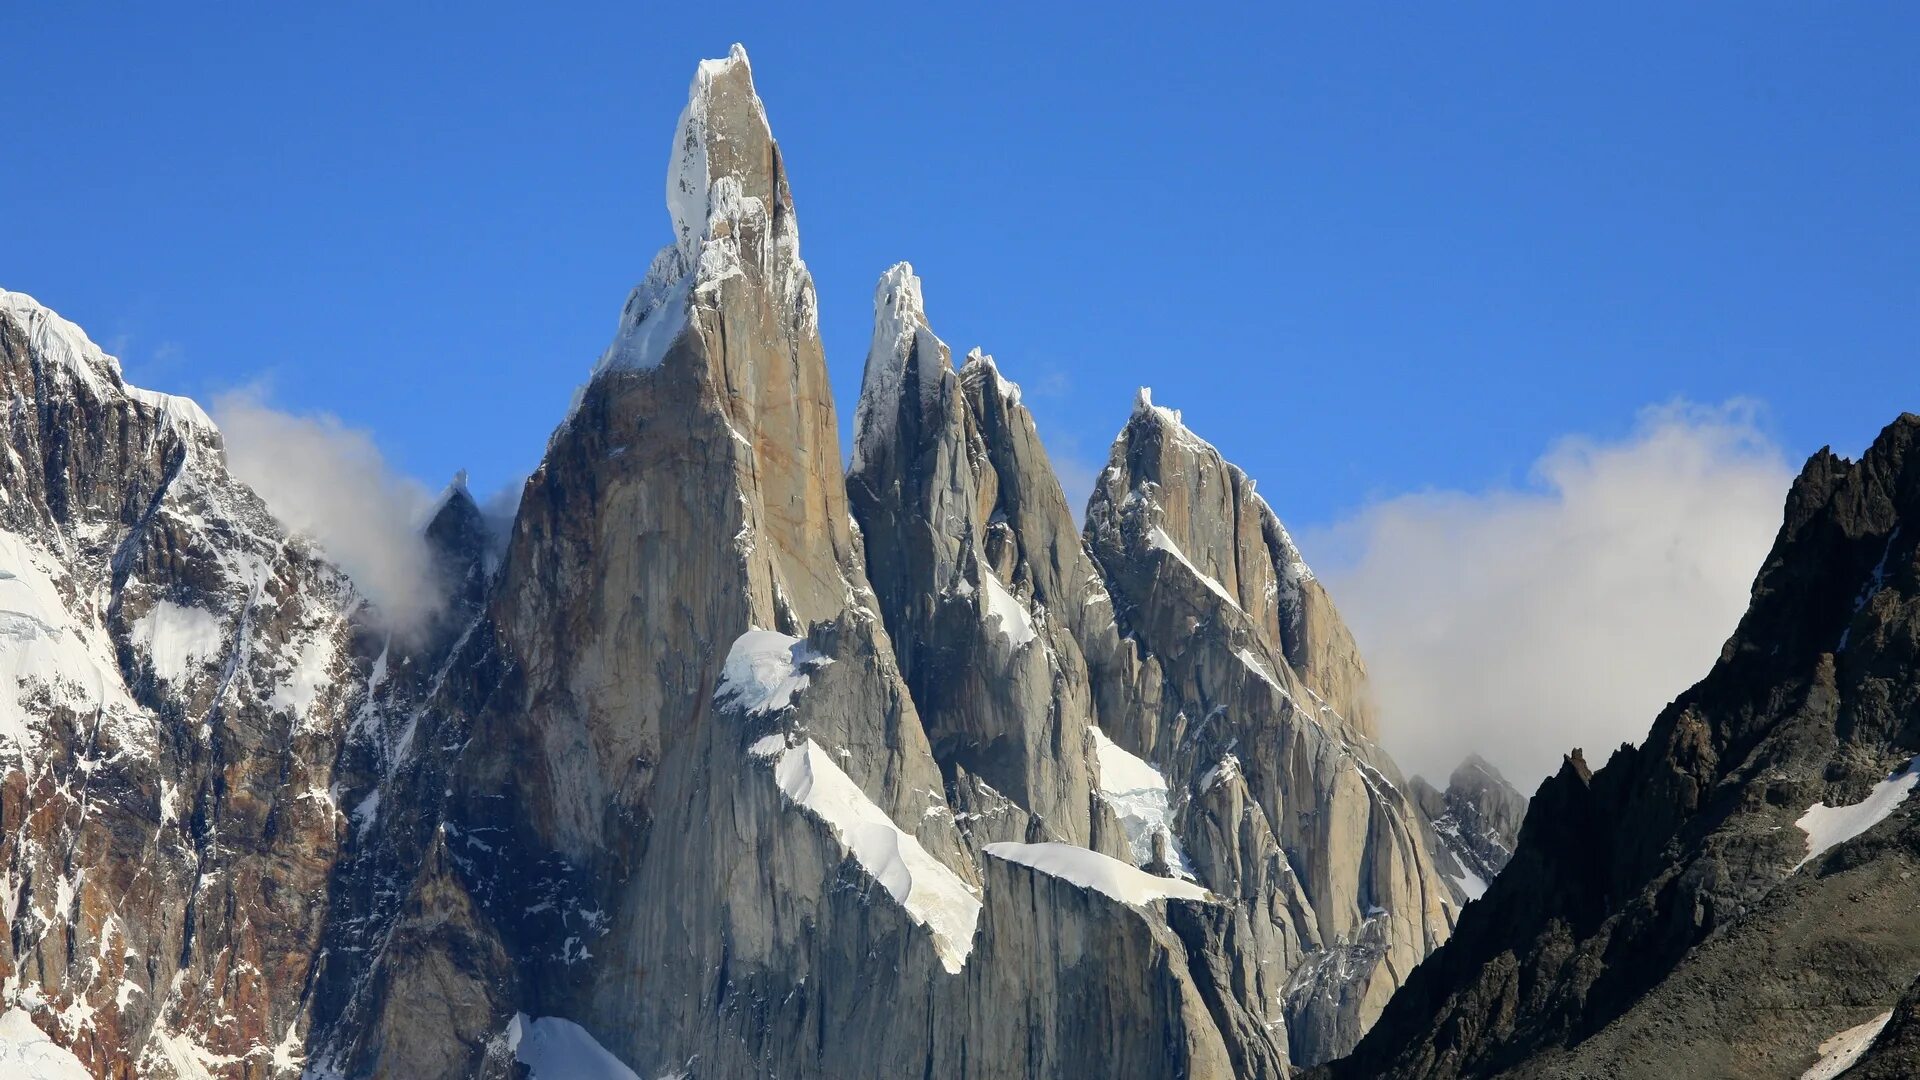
1672,913
1261,719
695,806
722,759
969,564
972,549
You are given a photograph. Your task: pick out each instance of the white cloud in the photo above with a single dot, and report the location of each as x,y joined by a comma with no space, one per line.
330,482
1520,623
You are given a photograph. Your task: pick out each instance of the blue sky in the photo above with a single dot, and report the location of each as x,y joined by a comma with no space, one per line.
1367,249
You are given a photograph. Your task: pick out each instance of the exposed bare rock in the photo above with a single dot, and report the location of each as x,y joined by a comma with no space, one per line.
691,806
721,763
176,677
1651,908
1894,1053
974,562
1288,803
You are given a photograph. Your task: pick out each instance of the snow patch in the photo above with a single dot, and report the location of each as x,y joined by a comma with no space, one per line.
654,317
188,1059
1158,538
1829,826
1092,870
1259,668
1469,883
1840,1052
310,676
27,1053
764,669
44,649
178,638
366,814
1137,793
287,1056
933,896
1227,768
1015,622
555,1049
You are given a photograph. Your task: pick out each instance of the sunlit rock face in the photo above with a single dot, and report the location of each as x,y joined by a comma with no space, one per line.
725,759
1260,720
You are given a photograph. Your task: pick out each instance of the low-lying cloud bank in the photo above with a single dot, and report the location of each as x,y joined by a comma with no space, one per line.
1520,623
330,482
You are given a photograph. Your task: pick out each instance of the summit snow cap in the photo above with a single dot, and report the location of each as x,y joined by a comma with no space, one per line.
66,351
900,335
1143,407
899,309
732,219
979,366
689,175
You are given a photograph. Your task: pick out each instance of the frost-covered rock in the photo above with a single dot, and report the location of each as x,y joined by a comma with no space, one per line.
1475,824
177,676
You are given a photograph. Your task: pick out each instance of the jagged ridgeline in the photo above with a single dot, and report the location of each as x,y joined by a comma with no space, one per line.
723,762
1739,895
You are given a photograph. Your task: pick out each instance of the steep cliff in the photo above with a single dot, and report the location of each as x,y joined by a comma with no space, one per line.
1287,802
1738,889
974,561
721,760
693,811
177,675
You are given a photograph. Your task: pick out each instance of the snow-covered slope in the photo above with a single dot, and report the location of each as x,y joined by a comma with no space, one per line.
177,674
721,762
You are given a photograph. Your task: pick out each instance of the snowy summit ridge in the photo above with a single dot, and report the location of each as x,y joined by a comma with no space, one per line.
69,350
902,340
728,220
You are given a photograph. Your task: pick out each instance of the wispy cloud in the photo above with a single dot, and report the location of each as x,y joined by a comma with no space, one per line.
1520,623
330,483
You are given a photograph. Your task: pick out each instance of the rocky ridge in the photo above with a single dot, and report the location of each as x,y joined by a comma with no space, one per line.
1736,891
179,677
722,760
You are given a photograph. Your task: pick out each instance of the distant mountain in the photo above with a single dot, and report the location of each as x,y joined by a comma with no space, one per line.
721,762
1476,822
724,761
1738,896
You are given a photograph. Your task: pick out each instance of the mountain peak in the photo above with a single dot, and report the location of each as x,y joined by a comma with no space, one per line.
899,307
905,352
713,115
67,348
979,368
1143,400
732,215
